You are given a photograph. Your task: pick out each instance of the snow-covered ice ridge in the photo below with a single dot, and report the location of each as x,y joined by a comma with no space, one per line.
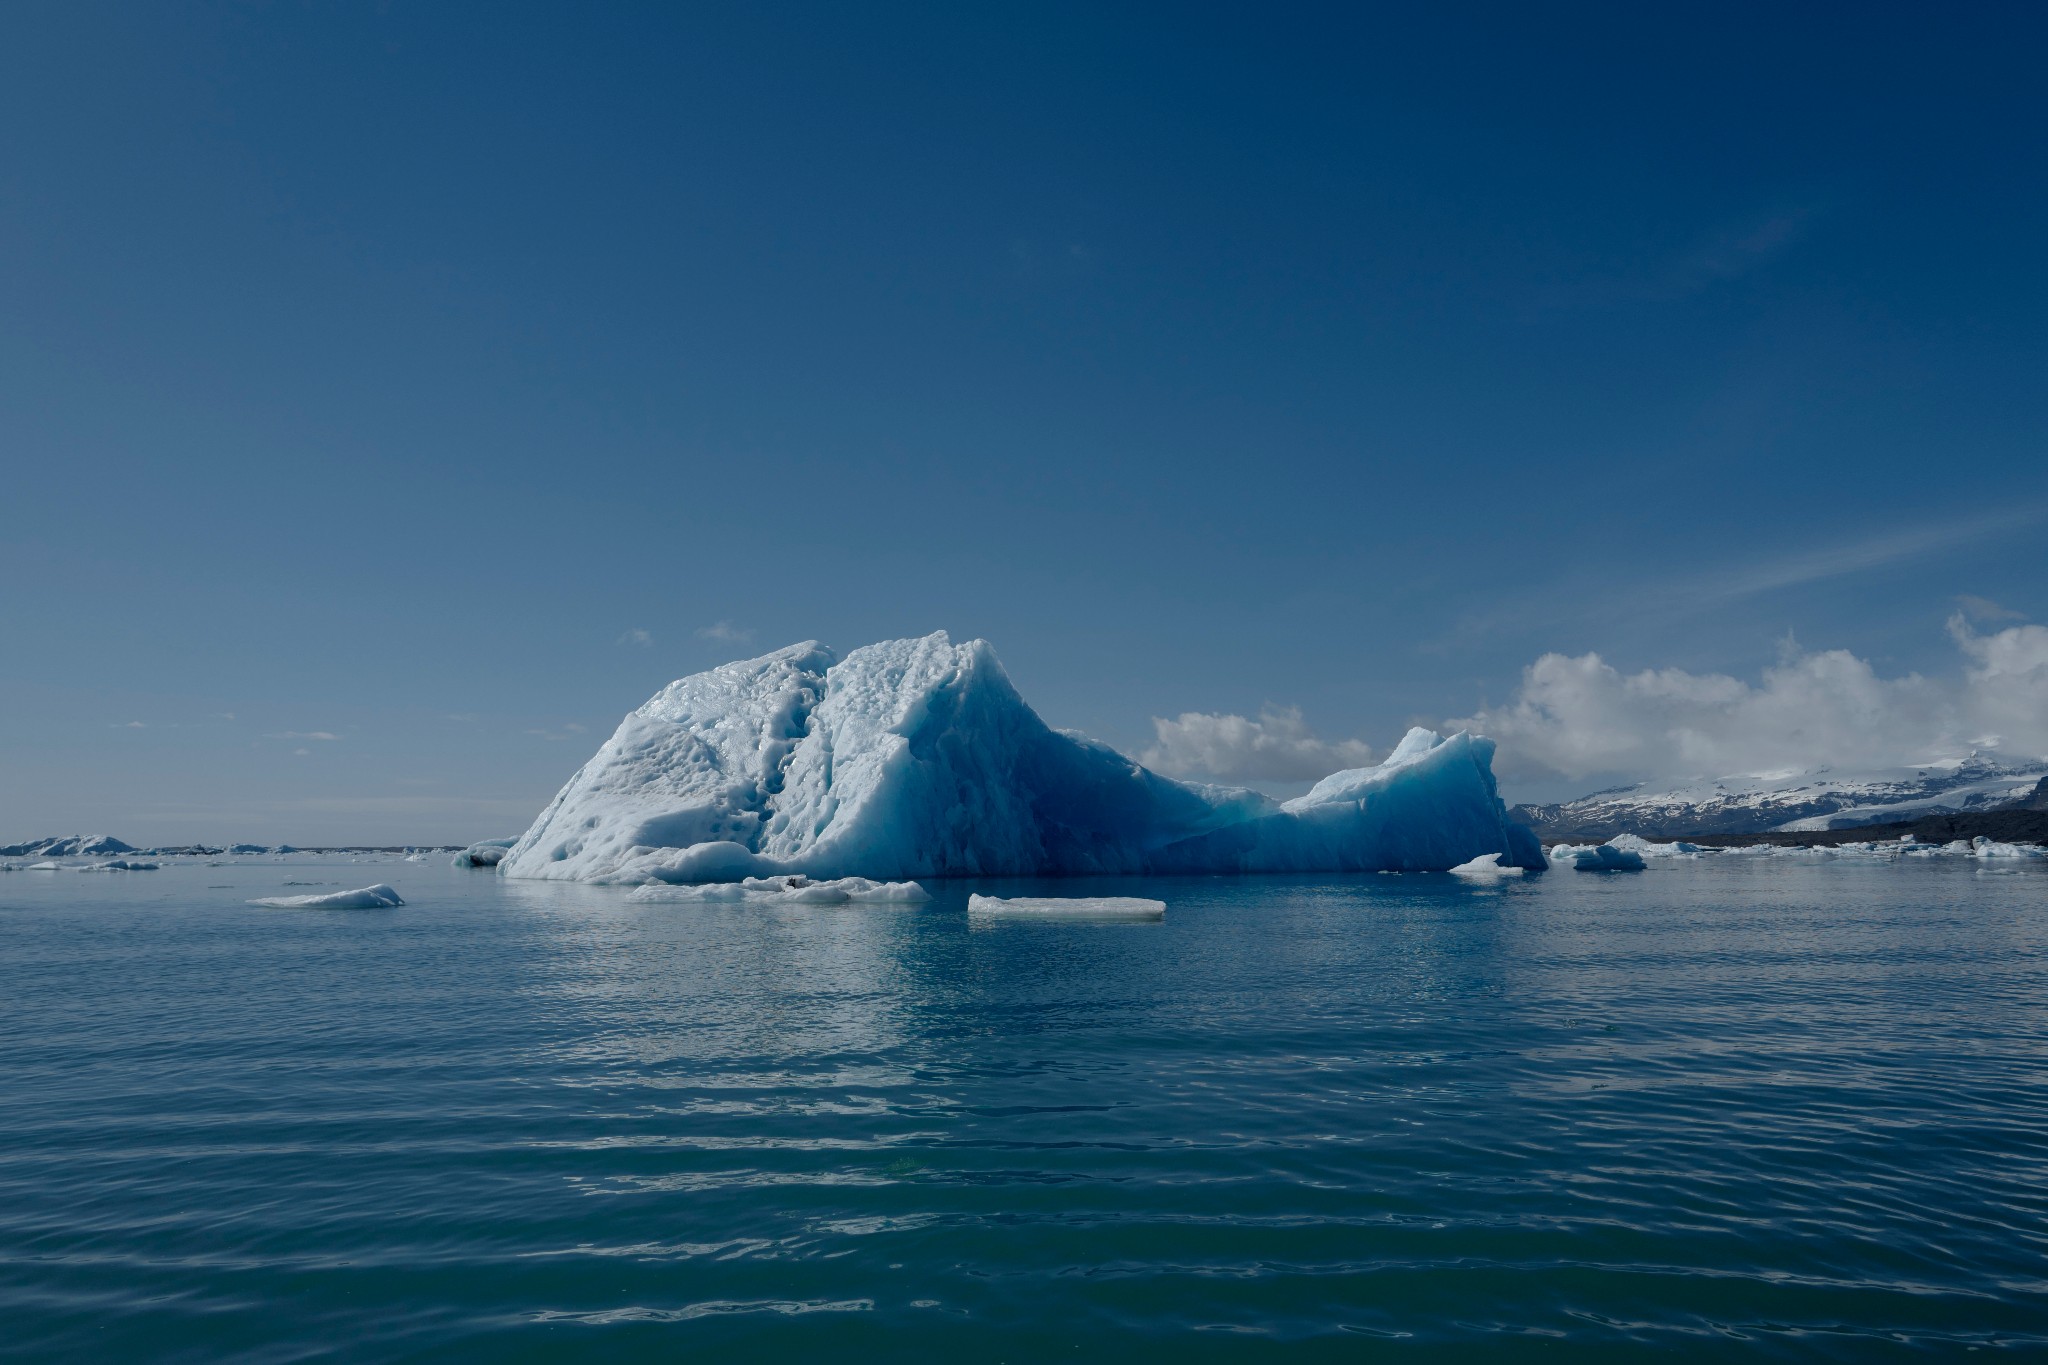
917,758
1633,852
1821,799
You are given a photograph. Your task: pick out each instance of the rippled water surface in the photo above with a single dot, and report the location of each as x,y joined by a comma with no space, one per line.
1717,1109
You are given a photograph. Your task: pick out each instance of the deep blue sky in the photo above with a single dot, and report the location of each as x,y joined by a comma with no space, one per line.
366,367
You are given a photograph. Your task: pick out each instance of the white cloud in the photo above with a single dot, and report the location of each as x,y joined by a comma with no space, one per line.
725,633
1581,717
302,753
304,734
1277,747
131,725
637,636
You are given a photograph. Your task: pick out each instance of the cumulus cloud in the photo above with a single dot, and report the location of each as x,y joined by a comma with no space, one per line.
1277,747
725,633
1580,717
637,636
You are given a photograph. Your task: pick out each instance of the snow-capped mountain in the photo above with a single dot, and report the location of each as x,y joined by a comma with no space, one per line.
1820,799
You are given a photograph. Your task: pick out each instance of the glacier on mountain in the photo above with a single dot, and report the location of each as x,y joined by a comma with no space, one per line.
917,758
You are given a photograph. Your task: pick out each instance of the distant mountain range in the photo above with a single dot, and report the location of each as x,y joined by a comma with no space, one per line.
1819,800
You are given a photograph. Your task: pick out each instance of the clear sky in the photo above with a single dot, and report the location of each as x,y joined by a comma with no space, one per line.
387,391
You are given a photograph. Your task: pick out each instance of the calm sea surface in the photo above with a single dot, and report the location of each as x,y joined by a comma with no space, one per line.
1722,1109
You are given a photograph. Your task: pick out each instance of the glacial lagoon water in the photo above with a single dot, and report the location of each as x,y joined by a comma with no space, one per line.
1721,1109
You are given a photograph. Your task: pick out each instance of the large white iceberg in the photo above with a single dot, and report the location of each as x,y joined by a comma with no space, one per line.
917,758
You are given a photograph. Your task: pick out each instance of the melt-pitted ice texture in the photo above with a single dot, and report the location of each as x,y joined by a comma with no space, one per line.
917,758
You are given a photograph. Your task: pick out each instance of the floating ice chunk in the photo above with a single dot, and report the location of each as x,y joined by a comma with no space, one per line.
46,866
485,853
1068,907
378,897
1635,843
1485,868
1991,848
789,890
1607,858
916,758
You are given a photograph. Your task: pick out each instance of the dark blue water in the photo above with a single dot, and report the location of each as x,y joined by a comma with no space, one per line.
1715,1110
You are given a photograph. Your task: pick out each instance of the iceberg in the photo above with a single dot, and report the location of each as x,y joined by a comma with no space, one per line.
71,846
377,897
485,853
918,758
1485,868
1612,856
1068,907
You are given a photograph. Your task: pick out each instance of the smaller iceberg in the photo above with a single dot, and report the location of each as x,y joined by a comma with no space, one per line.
1605,857
787,890
1068,907
1485,868
1990,848
485,853
379,897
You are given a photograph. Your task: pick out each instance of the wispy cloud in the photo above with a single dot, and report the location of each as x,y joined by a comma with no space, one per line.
1984,609
1859,556
637,636
304,734
464,717
725,633
1588,597
568,731
130,725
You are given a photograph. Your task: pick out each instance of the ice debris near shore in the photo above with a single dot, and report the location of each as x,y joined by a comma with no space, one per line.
379,897
917,758
789,890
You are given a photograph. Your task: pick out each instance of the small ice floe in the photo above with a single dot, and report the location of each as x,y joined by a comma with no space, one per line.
378,897
1990,848
1068,907
1485,868
788,890
485,853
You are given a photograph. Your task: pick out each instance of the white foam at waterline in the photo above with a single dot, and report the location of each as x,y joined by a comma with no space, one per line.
379,897
1068,907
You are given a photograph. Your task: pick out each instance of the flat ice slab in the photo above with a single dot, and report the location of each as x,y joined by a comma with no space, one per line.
790,890
1068,907
378,897
1485,868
